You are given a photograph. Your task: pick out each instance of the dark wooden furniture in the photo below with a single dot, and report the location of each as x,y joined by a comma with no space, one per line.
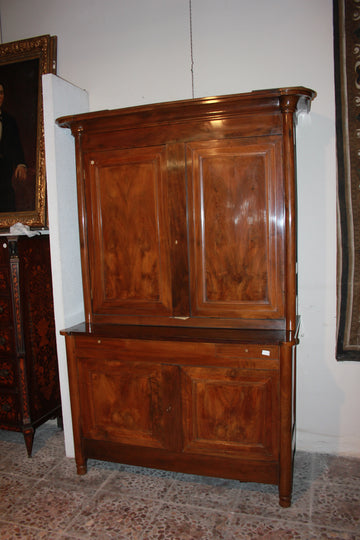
29,382
186,359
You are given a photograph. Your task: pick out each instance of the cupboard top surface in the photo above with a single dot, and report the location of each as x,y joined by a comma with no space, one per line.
298,98
209,335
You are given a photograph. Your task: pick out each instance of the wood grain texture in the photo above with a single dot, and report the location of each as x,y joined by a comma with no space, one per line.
236,238
131,249
186,359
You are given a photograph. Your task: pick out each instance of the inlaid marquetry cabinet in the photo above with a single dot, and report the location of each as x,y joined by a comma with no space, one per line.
29,381
186,359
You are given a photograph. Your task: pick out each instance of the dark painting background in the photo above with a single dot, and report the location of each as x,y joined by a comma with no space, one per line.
21,84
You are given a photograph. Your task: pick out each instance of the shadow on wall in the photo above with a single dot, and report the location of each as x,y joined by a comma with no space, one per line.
320,398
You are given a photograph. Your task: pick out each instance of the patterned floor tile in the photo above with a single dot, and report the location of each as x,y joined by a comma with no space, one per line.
338,469
12,531
13,489
113,517
135,483
263,501
44,497
205,492
336,505
245,527
181,522
49,508
64,475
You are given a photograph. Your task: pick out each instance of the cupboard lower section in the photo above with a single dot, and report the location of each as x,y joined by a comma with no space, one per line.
210,408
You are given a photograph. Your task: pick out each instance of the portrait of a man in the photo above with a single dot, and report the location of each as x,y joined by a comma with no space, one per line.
22,141
19,83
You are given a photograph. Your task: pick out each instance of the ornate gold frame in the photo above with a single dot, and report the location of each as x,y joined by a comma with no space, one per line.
42,51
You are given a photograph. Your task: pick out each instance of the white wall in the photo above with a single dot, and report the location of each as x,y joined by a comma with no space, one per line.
127,52
62,98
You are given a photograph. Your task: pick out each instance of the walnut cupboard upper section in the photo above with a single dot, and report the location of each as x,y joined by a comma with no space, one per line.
187,211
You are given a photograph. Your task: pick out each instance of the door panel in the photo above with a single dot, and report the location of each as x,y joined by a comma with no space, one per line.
129,402
236,228
231,411
129,218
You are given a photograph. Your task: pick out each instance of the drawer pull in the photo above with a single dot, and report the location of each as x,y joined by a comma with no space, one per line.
4,373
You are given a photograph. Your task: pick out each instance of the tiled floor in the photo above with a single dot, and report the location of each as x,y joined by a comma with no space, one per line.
43,497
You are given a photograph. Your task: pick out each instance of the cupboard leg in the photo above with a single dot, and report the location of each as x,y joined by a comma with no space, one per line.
29,439
81,466
287,420
285,500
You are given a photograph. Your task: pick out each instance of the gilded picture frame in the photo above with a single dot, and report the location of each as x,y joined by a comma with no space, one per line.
23,194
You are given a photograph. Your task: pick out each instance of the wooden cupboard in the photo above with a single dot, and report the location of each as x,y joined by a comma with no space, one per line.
186,358
29,381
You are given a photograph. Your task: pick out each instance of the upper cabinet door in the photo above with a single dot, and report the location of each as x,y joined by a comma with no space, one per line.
236,228
128,237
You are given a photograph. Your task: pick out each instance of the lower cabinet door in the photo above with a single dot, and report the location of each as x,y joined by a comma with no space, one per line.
133,403
231,411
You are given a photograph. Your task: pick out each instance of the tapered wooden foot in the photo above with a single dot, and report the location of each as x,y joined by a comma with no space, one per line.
285,502
29,439
81,467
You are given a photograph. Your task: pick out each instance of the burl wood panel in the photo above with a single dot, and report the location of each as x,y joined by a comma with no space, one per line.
130,269
135,402
231,411
237,218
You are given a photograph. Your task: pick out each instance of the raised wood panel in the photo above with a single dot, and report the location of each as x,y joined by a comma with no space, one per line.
129,249
231,411
129,402
236,226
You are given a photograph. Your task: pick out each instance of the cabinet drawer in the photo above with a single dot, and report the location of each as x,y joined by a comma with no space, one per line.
7,372
7,345
9,408
5,312
251,355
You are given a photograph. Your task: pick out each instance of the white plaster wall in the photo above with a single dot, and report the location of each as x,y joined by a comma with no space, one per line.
62,98
126,52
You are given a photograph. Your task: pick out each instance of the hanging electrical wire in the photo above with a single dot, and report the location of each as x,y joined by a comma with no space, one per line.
191,52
